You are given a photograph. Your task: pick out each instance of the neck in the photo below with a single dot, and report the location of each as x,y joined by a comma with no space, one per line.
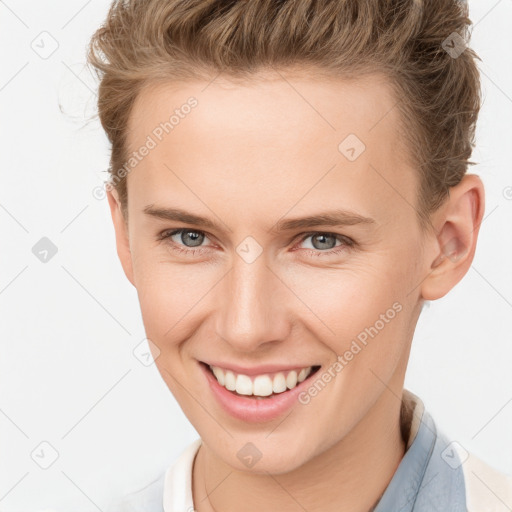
349,476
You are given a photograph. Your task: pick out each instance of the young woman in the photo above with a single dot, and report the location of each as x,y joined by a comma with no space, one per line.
288,186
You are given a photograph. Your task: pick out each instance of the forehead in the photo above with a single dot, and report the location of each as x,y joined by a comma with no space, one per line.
276,135
269,101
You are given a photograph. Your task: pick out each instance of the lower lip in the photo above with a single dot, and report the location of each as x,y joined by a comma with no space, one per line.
253,409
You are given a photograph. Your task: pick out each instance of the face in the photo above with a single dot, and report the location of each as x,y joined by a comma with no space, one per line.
246,287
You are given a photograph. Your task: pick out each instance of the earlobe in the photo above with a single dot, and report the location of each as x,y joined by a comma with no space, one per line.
121,231
458,223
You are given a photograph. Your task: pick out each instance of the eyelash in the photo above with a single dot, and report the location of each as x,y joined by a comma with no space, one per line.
346,242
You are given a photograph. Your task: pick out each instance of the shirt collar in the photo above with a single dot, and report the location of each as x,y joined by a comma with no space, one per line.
402,490
424,481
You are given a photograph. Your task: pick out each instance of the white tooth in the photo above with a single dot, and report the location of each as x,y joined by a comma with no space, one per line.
279,383
262,385
229,381
302,375
243,385
219,374
291,379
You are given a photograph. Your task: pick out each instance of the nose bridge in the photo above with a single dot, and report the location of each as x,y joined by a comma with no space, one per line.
250,312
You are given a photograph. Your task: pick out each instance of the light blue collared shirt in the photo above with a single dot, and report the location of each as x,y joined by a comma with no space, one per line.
429,478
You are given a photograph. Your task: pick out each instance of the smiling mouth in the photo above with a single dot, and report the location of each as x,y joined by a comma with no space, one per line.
262,386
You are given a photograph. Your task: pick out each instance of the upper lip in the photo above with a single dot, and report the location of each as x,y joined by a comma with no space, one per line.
258,370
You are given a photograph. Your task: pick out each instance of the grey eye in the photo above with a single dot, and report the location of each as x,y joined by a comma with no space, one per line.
189,238
322,241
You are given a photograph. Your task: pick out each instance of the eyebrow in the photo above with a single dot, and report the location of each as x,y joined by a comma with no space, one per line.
329,218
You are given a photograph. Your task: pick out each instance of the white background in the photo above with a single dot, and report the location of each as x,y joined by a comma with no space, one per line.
68,327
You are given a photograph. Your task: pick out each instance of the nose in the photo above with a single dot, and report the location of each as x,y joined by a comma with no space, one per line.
252,306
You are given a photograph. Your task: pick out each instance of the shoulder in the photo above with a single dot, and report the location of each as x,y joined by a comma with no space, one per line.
484,488
178,481
171,491
451,476
487,490
146,499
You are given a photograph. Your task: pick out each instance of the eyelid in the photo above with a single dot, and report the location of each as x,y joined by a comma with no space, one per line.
343,238
168,233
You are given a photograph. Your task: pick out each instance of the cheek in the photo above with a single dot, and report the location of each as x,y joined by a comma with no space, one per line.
361,313
346,298
168,294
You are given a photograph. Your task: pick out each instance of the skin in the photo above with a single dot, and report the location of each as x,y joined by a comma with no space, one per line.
248,155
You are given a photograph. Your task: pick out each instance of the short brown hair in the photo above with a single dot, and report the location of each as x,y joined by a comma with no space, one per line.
438,93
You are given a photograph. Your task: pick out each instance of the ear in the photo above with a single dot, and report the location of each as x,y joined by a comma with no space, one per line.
121,229
457,224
